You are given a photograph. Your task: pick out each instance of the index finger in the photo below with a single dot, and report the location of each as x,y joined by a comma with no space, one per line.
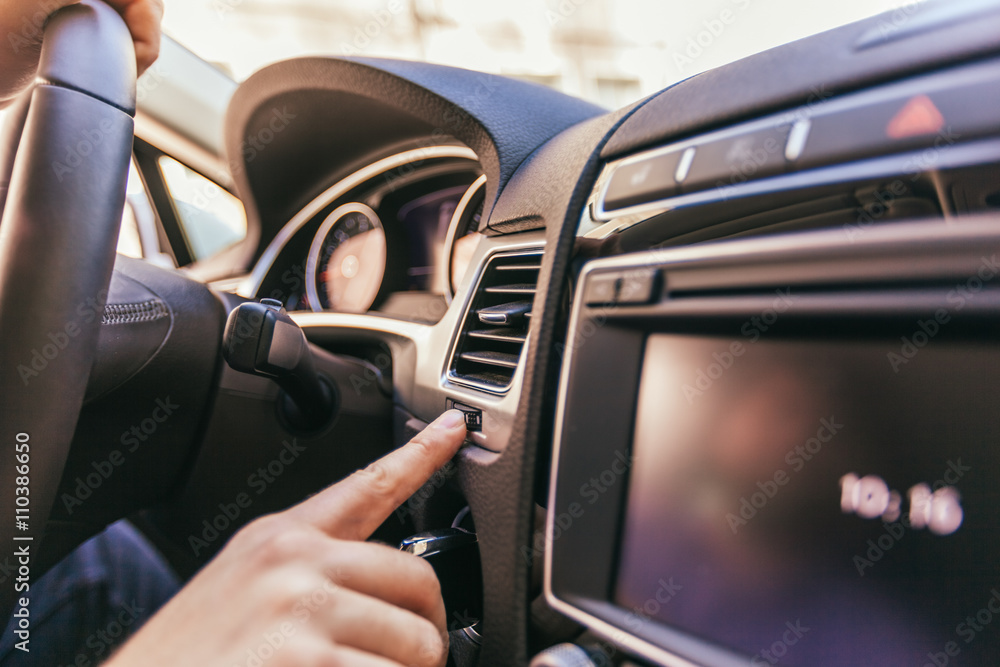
353,508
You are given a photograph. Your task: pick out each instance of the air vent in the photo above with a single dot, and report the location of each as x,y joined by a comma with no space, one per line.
496,326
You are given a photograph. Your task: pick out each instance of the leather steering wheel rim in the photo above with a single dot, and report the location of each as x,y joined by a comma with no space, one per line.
57,248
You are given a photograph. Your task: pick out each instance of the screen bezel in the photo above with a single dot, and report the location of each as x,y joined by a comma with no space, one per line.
605,349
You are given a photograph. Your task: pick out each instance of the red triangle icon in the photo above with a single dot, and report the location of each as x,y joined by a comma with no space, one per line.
918,117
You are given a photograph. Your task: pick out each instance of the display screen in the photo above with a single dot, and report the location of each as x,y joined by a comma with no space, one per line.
818,502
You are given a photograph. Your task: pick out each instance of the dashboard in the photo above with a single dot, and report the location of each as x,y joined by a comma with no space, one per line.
726,354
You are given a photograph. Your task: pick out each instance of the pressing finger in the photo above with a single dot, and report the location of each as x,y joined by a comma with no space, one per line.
353,508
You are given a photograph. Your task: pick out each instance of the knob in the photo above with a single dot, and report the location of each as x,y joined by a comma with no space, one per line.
563,655
454,555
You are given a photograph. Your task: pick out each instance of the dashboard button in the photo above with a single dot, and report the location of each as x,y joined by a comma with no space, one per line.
637,286
738,159
633,287
602,289
642,181
473,416
935,120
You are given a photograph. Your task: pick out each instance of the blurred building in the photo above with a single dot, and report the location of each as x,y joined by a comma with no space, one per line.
609,51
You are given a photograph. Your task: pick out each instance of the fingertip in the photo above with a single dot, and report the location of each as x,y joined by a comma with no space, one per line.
451,420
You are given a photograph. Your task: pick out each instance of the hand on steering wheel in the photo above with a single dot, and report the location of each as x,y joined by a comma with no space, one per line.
22,21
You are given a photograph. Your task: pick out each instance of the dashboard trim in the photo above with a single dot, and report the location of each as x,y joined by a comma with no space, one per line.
449,241
252,284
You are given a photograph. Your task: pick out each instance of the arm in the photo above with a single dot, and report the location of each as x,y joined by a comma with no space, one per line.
303,588
22,22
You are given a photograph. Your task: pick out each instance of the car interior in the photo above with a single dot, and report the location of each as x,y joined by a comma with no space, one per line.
724,354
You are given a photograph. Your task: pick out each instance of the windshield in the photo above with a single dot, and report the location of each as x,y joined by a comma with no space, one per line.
611,52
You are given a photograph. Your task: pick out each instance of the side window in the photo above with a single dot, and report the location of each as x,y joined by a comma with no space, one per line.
129,237
138,235
210,218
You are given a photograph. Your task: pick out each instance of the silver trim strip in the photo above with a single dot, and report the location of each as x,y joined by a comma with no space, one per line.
253,282
600,627
449,241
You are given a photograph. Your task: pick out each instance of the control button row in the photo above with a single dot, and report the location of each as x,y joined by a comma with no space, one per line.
931,112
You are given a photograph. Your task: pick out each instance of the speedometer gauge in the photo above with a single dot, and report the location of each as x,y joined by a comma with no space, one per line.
346,261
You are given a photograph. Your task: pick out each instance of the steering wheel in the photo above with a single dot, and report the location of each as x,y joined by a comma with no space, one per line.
58,235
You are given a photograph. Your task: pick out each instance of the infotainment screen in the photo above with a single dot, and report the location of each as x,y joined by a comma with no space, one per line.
810,502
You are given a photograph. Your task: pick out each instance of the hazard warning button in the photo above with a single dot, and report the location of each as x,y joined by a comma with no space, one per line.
935,112
918,117
872,129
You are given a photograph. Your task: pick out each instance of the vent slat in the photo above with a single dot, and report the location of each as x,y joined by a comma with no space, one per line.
504,335
505,313
520,267
523,288
502,359
496,380
494,335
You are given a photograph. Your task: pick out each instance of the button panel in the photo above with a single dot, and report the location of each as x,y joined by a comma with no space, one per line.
925,113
